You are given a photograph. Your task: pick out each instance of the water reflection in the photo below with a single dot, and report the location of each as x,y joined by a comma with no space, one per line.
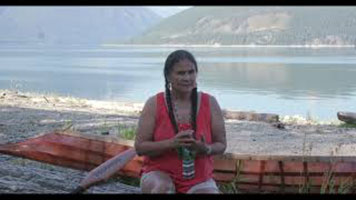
293,81
286,81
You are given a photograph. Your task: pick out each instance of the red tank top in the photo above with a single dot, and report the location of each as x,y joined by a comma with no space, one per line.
169,161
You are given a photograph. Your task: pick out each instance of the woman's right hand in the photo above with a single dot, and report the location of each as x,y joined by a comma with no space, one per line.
183,139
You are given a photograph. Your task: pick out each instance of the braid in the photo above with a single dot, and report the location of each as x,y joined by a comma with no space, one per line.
194,100
170,110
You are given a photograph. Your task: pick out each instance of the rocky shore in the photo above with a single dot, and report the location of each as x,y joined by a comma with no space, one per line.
25,115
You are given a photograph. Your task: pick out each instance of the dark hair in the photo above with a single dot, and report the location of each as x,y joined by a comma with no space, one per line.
171,60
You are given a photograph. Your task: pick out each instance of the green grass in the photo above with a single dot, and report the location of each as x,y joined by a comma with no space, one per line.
126,132
347,125
128,180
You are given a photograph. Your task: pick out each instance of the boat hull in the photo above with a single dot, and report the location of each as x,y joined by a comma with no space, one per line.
247,173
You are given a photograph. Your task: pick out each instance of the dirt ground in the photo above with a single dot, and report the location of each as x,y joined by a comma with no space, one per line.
25,115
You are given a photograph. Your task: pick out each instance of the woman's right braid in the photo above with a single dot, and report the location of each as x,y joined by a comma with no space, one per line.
170,109
194,101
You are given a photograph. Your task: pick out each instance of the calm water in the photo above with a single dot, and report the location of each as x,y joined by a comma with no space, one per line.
286,81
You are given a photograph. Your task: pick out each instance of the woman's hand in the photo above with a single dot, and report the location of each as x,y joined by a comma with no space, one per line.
183,139
200,146
186,139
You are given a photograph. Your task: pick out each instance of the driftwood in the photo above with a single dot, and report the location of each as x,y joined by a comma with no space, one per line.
348,117
250,116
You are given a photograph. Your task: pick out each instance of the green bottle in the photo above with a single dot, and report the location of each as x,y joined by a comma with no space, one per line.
188,160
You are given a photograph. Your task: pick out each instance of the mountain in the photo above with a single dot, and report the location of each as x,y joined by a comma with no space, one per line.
255,26
73,25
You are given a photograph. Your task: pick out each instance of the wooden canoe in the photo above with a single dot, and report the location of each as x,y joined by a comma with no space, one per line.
249,173
348,117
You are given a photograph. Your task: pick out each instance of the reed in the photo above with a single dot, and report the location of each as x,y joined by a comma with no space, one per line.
230,188
19,161
26,163
329,185
16,86
347,186
68,125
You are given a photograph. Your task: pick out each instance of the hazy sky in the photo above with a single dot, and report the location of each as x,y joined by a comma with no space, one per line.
166,11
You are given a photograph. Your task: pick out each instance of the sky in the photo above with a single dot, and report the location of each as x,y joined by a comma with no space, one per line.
166,11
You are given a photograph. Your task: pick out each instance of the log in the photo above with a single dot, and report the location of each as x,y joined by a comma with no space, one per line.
250,116
348,117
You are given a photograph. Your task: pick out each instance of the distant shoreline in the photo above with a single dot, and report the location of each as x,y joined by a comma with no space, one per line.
228,46
38,43
50,100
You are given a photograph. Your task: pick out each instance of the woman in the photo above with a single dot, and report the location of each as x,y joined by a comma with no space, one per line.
178,132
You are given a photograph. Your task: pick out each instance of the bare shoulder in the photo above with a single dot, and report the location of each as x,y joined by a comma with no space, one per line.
150,105
151,101
214,105
147,117
146,122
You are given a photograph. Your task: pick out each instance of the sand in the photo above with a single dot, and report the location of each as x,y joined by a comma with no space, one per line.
25,115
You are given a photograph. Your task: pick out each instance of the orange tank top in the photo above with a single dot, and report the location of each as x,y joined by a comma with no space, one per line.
169,161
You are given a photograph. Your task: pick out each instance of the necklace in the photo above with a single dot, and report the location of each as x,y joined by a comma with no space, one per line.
180,119
187,156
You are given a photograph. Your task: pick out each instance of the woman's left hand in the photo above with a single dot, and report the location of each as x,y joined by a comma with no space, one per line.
199,146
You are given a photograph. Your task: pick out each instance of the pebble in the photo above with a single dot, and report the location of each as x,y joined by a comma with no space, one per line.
13,188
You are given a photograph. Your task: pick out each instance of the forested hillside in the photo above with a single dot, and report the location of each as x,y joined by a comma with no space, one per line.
267,25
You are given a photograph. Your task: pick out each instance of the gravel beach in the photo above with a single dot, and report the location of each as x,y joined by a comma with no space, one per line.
25,115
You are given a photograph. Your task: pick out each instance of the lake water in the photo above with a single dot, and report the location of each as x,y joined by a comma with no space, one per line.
285,81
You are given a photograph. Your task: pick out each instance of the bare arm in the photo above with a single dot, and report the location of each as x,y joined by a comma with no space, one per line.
144,143
218,145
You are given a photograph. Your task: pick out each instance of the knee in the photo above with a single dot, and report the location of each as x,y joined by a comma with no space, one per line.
157,184
166,187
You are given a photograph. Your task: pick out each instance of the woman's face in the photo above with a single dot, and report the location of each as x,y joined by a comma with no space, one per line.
183,76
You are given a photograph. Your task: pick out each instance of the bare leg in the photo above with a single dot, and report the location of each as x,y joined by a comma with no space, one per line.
157,182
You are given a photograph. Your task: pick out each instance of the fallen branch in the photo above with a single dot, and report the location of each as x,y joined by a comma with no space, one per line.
250,116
